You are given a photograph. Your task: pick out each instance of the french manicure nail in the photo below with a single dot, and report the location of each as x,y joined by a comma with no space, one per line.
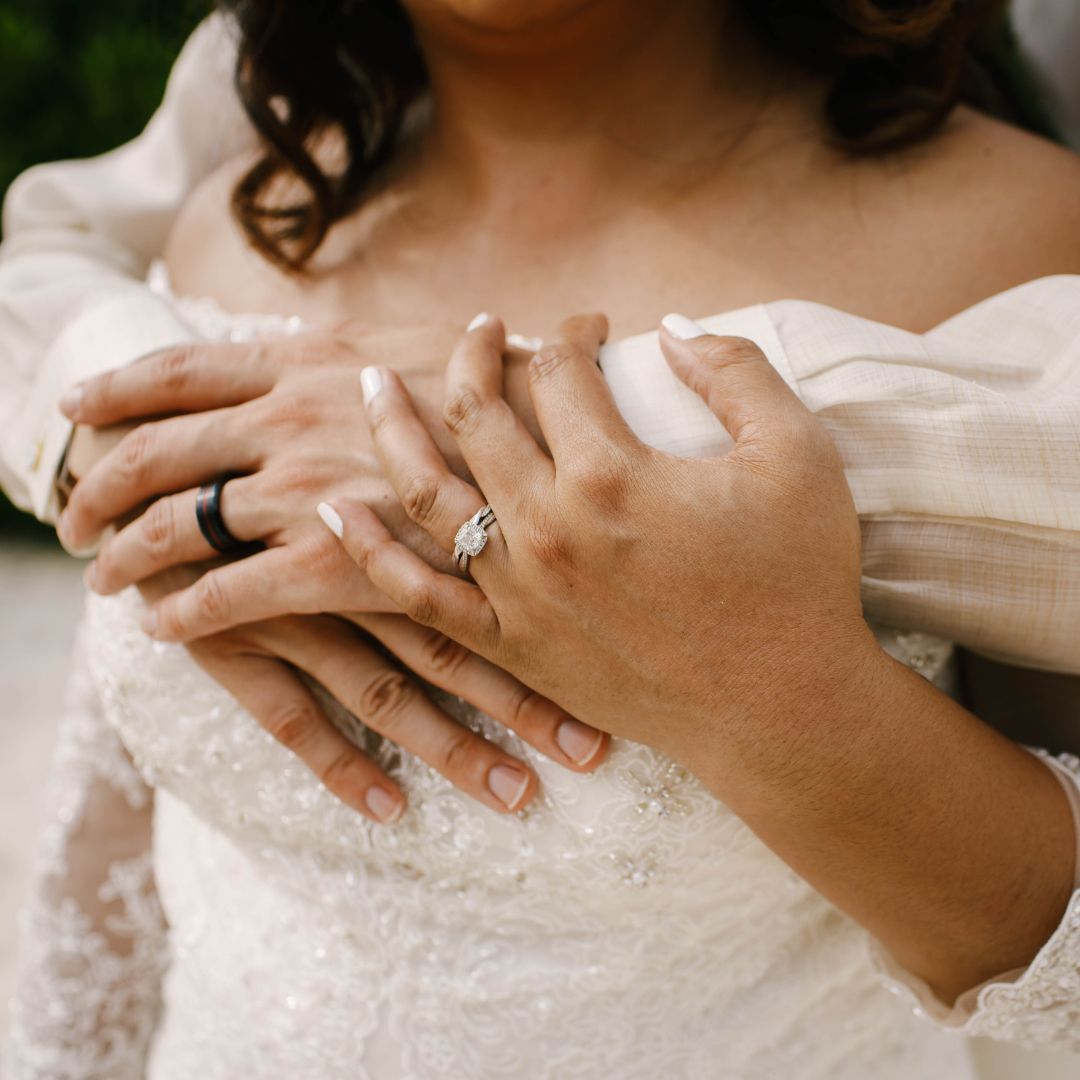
508,785
578,742
331,519
478,321
526,344
385,806
71,400
371,381
679,326
149,622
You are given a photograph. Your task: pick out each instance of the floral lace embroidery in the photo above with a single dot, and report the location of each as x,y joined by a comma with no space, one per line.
92,941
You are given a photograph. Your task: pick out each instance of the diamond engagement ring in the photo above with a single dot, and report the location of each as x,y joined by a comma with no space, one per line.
472,537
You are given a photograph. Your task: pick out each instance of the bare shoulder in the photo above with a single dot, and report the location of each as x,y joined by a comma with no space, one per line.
208,254
988,207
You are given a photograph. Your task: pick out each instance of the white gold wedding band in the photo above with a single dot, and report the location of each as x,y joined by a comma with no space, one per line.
472,537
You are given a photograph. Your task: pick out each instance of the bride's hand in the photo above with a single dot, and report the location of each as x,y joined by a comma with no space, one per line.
260,666
676,602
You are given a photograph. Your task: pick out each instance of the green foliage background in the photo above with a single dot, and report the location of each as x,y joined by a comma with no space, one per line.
78,77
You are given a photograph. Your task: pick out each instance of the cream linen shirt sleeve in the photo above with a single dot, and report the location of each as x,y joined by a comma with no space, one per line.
79,238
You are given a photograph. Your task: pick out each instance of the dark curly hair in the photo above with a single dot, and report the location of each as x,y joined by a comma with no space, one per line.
896,68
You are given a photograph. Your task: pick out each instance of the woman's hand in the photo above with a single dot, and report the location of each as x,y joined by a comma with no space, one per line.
711,609
681,603
261,666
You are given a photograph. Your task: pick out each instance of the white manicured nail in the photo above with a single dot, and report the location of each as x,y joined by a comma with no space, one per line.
508,785
479,321
679,326
331,519
371,381
386,807
526,344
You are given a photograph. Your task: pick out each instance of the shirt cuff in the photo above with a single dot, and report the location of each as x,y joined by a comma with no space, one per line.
111,334
1036,1005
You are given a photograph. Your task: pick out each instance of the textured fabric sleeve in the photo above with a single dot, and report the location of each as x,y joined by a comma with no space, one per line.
92,944
79,237
1034,1006
960,448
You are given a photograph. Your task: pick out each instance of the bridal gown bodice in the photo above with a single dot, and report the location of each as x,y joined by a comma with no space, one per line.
625,925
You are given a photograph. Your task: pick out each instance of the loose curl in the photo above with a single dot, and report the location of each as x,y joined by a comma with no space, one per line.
897,68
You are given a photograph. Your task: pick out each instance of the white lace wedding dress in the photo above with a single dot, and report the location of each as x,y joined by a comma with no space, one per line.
626,925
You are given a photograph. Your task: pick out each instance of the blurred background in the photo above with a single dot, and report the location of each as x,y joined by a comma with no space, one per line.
78,77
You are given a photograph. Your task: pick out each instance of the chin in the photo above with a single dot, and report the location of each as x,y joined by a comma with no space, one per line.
502,15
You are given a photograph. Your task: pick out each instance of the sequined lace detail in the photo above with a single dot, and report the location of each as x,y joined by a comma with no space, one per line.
92,939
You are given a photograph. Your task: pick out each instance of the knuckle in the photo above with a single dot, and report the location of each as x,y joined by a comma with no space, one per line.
603,480
463,410
136,452
211,602
551,359
291,414
456,754
421,604
174,368
293,725
338,770
383,699
550,547
730,351
159,526
420,497
442,655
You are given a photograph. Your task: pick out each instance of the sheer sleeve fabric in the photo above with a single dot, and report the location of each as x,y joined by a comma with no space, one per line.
92,943
78,239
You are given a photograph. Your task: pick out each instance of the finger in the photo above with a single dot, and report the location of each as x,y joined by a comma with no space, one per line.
450,666
167,534
305,578
189,378
284,706
154,459
431,494
735,379
445,603
502,456
388,701
574,407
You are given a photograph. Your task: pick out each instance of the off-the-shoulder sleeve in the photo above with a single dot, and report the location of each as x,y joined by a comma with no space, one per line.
960,447
1034,1006
78,239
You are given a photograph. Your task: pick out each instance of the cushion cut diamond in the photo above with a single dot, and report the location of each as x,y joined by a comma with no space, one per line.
471,539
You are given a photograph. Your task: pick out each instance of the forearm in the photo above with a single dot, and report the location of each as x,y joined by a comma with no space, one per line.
953,846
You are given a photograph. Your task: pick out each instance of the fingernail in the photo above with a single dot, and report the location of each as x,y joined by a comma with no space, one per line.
149,622
679,326
579,742
70,401
331,519
371,381
90,576
385,806
508,785
478,321
526,344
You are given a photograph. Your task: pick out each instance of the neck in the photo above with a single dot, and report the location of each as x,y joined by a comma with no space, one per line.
574,111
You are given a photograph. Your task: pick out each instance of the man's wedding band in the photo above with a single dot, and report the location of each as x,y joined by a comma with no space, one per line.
472,537
212,523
